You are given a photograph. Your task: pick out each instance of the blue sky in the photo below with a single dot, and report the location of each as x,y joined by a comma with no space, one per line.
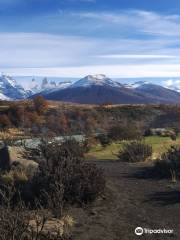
73,38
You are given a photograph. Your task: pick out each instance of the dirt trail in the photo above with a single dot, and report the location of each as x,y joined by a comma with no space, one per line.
132,200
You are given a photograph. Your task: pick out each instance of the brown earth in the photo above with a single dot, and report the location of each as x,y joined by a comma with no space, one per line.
133,199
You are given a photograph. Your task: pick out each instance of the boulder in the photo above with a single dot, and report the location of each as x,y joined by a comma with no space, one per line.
10,156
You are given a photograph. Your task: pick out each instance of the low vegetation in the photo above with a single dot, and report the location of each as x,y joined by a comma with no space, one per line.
29,203
159,146
135,151
125,132
66,172
169,163
34,201
104,140
18,222
38,116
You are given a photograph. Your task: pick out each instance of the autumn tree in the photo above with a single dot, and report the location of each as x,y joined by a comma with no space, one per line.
16,114
64,122
4,121
40,104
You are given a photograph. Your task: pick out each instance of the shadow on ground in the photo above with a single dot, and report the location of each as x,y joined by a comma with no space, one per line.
155,179
147,172
165,198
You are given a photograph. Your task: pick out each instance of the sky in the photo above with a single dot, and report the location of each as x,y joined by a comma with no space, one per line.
74,38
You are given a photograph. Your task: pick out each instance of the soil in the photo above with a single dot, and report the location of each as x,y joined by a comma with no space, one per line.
133,199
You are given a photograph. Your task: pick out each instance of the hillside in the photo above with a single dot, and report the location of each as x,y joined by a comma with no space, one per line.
99,89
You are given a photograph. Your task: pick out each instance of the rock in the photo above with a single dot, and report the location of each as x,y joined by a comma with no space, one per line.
10,156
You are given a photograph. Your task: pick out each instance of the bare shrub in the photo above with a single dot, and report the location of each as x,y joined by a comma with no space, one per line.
13,220
65,177
13,223
169,163
135,151
19,223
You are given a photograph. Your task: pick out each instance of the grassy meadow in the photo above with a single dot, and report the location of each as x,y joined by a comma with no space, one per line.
159,144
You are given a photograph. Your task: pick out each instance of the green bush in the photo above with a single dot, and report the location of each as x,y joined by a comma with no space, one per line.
104,139
135,151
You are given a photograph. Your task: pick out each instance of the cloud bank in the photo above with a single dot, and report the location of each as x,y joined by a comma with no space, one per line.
128,43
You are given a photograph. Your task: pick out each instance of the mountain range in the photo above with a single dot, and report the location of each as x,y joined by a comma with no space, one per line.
98,89
92,89
47,86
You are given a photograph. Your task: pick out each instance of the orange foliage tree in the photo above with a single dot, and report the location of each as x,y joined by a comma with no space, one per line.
4,121
40,104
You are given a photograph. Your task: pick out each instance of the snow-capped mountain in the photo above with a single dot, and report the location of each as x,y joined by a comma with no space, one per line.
92,89
172,84
96,80
10,89
174,88
47,86
136,84
144,85
98,89
4,97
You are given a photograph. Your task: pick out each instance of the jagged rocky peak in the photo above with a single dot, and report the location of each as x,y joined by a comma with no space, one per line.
44,83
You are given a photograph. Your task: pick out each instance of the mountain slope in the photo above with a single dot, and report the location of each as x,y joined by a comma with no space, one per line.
10,90
95,89
159,92
99,89
98,95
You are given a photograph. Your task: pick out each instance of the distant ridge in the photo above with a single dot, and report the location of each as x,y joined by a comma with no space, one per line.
98,89
92,89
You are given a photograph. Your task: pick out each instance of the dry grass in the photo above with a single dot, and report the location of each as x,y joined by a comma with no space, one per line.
11,134
61,227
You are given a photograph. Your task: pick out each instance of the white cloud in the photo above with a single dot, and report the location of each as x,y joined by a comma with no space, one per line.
146,45
138,56
72,56
172,83
141,21
168,82
26,50
127,71
43,50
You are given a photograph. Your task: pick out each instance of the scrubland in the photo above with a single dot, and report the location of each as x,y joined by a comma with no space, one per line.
123,173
